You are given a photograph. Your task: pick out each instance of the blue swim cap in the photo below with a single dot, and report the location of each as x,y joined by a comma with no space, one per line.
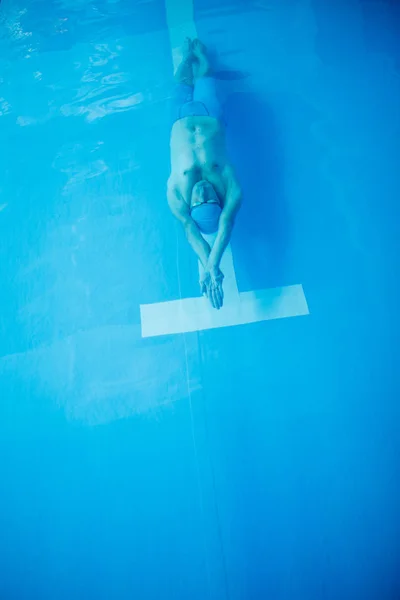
206,216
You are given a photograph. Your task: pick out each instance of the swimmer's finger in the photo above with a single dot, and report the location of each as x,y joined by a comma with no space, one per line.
211,296
220,295
217,296
206,291
221,291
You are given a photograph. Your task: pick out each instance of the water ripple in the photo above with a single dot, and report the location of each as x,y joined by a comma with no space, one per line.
103,107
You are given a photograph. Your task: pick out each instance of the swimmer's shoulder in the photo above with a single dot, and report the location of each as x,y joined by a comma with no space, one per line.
174,190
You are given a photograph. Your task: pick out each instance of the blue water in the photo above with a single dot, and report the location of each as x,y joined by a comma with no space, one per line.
242,463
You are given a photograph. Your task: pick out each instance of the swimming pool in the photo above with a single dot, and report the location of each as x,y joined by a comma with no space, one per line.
243,461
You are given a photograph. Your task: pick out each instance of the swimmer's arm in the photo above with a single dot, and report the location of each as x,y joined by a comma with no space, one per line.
180,210
233,200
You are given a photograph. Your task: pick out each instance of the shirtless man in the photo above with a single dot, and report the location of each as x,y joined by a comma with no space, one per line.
202,190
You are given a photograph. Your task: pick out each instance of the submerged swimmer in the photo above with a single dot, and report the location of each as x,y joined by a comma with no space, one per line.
203,192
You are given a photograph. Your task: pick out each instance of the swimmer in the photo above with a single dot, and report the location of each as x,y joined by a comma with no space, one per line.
203,192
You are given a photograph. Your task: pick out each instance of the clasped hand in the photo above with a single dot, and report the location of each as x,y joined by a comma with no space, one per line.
211,285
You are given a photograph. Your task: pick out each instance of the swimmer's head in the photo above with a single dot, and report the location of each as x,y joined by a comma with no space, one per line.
205,207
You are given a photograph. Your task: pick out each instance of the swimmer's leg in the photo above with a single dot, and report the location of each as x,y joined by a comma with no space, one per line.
201,64
205,89
184,72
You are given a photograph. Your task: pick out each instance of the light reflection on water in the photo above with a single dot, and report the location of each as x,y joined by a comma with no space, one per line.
70,59
74,58
73,77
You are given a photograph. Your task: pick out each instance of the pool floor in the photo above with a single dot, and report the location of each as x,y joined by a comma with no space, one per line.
244,462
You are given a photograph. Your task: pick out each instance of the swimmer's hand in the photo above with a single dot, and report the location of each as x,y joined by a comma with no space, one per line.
211,286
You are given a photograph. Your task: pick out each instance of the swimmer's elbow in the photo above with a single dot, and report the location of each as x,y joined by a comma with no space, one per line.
189,226
187,223
226,224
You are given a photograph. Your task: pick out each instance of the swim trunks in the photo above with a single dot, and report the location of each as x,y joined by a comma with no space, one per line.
200,100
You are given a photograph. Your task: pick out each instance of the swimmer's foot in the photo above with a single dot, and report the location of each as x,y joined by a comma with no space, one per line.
201,65
199,49
187,51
